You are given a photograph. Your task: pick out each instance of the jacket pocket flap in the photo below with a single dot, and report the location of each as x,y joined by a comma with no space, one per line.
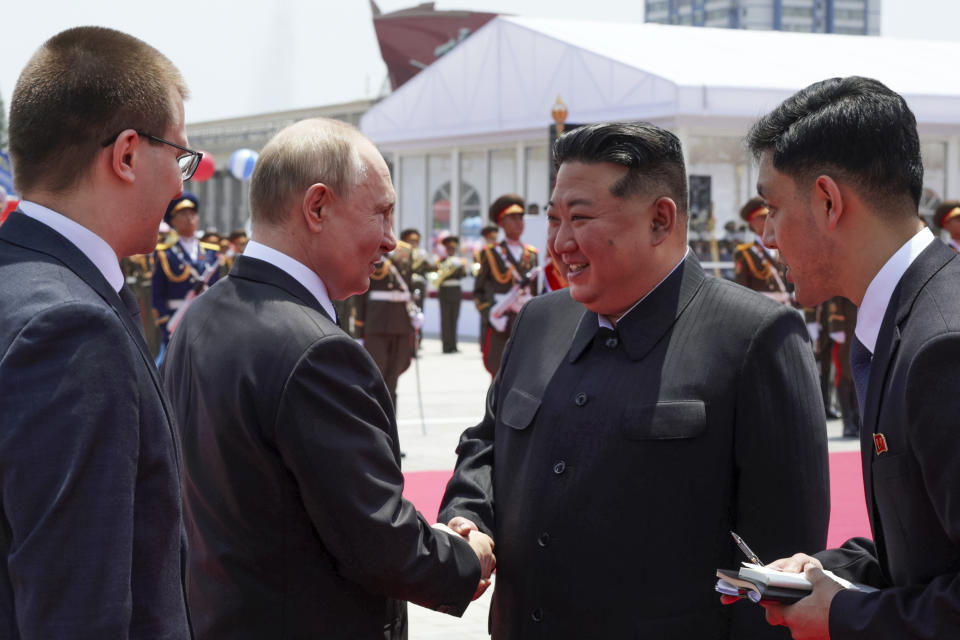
519,409
672,420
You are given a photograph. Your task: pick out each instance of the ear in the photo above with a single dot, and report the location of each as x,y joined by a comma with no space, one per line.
828,200
314,207
664,219
123,155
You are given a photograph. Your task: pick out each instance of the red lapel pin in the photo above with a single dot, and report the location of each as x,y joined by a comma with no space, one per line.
880,443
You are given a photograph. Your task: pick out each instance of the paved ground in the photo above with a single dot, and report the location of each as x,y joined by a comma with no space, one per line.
453,388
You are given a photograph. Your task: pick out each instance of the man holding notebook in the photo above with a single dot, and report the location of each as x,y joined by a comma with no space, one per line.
841,173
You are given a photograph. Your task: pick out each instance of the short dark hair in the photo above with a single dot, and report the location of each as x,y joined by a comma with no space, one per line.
406,233
854,127
82,86
653,157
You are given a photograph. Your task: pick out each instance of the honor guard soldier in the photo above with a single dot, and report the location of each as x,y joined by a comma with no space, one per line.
503,272
413,263
385,318
138,273
184,268
449,293
947,216
755,266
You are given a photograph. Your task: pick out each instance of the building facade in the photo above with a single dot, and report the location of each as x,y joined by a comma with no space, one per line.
851,17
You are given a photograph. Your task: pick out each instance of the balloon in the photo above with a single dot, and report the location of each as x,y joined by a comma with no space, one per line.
205,169
241,163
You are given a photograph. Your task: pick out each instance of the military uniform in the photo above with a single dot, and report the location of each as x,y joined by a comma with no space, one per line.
838,319
944,217
755,267
138,273
176,274
499,272
449,294
383,321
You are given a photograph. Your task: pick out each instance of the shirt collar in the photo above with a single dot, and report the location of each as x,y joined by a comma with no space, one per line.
103,257
604,322
877,297
296,270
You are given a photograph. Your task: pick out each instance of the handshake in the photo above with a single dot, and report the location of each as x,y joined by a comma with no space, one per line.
481,543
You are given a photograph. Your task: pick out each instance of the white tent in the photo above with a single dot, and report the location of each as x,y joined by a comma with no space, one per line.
506,76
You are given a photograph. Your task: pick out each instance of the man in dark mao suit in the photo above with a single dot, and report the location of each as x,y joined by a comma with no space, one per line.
841,171
91,532
297,525
638,417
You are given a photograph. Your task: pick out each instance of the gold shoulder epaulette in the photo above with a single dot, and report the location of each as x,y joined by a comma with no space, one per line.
744,246
530,247
163,246
210,246
403,245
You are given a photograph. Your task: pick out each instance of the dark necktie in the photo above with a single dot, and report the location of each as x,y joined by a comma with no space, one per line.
860,358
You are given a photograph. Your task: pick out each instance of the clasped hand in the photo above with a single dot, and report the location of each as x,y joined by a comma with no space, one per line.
482,545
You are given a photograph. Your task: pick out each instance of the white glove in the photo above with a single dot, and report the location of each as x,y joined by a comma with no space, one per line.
838,336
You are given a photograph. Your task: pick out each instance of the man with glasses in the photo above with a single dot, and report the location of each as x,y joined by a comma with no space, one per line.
185,266
92,534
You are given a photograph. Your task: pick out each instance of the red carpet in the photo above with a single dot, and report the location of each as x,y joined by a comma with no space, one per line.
848,513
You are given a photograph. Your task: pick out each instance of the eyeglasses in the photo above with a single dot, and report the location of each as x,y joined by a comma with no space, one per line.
188,161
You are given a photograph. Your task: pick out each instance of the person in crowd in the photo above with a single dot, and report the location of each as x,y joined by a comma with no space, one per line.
639,416
754,265
840,170
138,274
450,270
414,263
184,266
947,217
488,237
503,269
293,488
93,538
386,318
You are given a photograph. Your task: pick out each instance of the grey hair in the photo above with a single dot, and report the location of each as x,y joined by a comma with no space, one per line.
316,150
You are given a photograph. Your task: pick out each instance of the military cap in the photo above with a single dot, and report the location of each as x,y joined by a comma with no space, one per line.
506,205
451,239
947,210
186,201
753,208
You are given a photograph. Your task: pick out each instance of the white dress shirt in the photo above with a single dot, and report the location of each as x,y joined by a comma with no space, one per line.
877,297
296,270
93,246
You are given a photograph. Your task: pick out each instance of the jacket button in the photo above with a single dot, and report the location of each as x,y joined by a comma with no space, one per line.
612,342
544,539
581,399
536,615
560,467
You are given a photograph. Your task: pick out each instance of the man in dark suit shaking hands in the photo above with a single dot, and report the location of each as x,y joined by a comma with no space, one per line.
91,532
841,172
297,525
638,417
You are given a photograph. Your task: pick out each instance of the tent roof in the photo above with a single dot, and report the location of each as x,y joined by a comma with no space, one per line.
506,76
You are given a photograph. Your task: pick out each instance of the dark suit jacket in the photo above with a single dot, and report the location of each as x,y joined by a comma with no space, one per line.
911,489
91,532
611,466
292,474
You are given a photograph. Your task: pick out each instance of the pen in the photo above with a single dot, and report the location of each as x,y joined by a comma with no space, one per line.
747,551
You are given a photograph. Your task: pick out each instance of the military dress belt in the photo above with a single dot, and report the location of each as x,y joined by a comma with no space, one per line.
174,304
390,296
450,282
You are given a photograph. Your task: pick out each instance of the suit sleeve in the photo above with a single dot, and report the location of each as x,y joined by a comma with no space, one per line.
334,436
469,492
929,610
68,467
782,504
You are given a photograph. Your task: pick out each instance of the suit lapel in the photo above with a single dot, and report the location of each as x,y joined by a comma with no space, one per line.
262,271
904,296
642,328
26,232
